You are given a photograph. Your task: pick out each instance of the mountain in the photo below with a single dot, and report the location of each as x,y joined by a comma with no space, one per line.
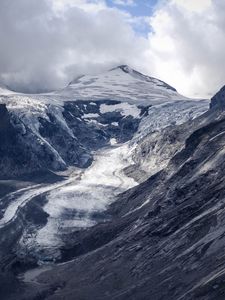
218,101
82,172
61,129
165,237
124,84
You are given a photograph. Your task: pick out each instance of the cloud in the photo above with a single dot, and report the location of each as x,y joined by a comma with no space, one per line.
86,5
124,2
46,43
193,5
187,45
45,46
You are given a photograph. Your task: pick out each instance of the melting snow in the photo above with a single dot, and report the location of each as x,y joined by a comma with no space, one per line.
90,116
113,141
98,187
125,109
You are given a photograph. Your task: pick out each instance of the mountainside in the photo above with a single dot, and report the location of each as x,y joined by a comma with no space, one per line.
61,129
96,172
124,84
165,239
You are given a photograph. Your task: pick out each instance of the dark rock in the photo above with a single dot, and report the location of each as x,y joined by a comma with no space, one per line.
218,101
165,240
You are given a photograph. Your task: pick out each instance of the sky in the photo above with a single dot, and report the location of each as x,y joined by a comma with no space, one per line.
44,44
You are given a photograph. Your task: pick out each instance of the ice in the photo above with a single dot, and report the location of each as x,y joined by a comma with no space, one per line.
113,141
170,113
20,201
125,109
90,116
93,192
122,84
115,84
73,202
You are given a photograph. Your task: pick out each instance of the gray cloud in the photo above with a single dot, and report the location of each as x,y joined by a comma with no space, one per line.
44,48
41,49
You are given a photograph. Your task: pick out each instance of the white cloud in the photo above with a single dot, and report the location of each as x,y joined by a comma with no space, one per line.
193,5
91,6
187,45
124,2
46,43
43,49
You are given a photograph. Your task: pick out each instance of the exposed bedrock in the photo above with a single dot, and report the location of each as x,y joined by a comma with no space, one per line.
166,237
218,101
61,137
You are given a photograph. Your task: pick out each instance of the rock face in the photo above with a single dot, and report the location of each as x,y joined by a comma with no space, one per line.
6,128
63,128
166,236
218,101
18,142
151,241
12,150
62,136
161,135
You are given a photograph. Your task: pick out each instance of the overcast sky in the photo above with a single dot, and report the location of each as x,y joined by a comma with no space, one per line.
44,44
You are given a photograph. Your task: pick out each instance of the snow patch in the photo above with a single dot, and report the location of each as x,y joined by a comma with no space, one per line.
113,141
125,109
90,116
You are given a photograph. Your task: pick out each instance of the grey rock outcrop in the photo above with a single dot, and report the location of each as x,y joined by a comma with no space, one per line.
166,236
218,101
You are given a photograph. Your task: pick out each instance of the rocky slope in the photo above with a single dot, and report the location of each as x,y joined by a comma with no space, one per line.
62,129
166,236
102,134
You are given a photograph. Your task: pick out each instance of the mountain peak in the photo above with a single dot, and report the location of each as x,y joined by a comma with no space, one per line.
124,68
122,83
138,75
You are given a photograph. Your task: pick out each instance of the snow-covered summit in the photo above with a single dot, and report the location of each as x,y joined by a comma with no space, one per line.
140,76
121,83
